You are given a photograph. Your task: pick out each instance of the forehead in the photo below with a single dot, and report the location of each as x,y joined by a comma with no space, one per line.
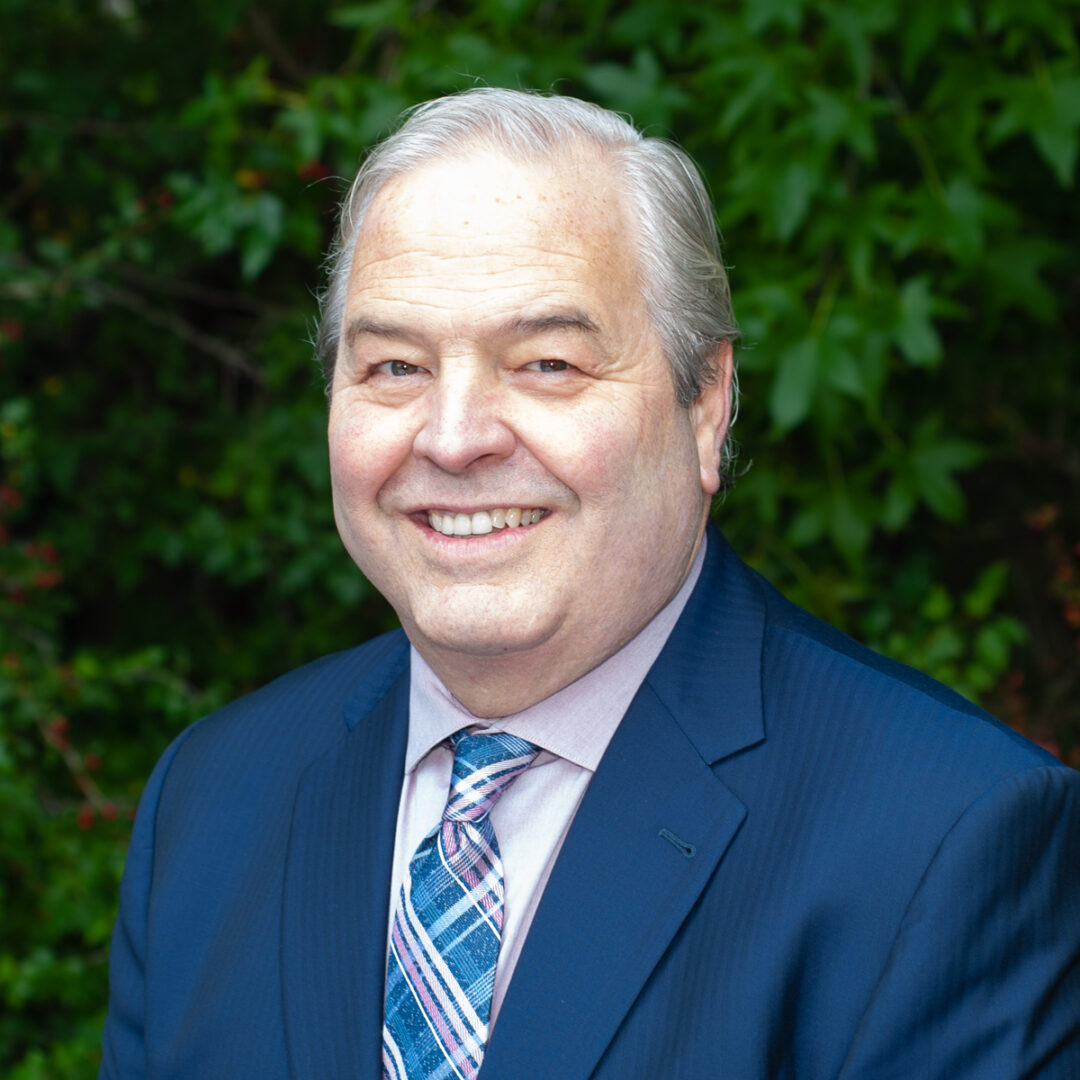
482,219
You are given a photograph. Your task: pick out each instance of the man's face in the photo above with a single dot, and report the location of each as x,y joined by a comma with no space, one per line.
497,358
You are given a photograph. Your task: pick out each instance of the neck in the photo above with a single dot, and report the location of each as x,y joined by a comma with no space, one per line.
496,686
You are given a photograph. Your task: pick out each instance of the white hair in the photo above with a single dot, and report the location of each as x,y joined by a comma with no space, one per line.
683,278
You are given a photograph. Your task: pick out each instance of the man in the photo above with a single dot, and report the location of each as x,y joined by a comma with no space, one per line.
692,832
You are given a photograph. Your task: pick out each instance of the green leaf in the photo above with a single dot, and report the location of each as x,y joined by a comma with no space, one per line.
948,454
983,595
843,371
853,28
369,16
1048,109
755,86
792,190
932,462
647,24
472,53
267,227
848,526
967,207
992,647
641,89
1058,145
794,384
1016,272
836,118
938,604
761,14
807,527
926,24
941,493
915,333
899,504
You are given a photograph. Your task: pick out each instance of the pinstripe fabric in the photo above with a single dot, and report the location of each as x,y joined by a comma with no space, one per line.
448,923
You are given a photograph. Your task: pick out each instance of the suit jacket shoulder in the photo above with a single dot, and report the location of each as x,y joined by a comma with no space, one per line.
904,721
195,965
245,748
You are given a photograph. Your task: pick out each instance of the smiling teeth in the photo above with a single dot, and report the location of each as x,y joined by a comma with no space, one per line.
483,521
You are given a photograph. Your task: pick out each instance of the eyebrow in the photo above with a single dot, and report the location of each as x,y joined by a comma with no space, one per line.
360,326
519,326
525,326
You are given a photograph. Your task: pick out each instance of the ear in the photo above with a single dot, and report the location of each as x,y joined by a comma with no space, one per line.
711,415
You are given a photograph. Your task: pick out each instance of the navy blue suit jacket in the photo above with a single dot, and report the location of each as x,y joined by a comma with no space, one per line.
796,859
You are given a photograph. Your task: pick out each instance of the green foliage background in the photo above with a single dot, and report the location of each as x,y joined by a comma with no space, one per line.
896,185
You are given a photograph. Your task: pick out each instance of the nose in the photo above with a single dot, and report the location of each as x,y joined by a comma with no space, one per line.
465,420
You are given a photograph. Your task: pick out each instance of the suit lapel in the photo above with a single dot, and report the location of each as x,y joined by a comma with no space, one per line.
650,832
336,893
616,897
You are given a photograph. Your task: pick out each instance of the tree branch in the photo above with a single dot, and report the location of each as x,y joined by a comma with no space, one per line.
272,43
232,358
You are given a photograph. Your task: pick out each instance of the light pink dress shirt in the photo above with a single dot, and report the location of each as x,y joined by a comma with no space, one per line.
572,727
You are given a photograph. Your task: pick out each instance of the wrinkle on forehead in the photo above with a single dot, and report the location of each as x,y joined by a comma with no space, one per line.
574,195
410,263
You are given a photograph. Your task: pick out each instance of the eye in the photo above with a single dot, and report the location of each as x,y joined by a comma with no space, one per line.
398,368
547,365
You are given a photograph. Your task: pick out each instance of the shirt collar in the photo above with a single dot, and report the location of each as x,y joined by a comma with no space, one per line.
576,722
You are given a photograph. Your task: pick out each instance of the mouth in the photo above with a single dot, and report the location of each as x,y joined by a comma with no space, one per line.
482,522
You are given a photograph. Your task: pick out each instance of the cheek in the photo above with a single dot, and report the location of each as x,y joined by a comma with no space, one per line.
365,450
594,452
638,460
589,462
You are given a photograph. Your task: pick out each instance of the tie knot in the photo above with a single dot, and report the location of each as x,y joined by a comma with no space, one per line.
484,767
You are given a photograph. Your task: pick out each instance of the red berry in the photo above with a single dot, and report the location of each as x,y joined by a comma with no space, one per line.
92,762
42,550
56,733
85,817
313,170
109,811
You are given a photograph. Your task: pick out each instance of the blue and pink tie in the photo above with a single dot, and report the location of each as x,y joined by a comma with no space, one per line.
448,923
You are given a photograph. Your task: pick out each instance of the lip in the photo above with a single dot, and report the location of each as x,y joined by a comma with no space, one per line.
470,508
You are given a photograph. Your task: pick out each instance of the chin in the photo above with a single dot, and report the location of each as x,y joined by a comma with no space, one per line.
472,633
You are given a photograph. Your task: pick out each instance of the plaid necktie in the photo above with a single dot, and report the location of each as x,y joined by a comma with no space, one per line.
448,923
